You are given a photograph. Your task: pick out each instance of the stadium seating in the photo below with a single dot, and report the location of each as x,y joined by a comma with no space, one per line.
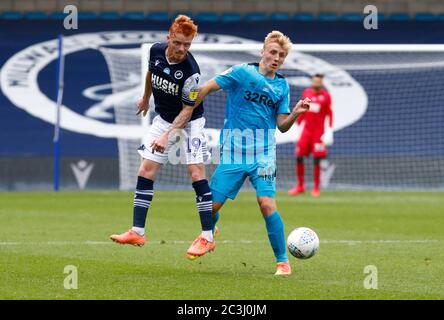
87,15
57,15
327,16
231,17
36,15
158,16
255,16
134,15
352,16
424,16
304,16
399,17
207,17
109,15
187,13
11,15
280,16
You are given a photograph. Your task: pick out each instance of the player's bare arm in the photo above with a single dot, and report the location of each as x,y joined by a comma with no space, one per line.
285,121
184,116
143,103
179,122
208,87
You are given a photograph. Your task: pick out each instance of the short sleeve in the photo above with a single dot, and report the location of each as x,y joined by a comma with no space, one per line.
229,78
190,90
150,62
284,104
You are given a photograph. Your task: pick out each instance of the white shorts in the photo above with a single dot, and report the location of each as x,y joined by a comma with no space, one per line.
186,146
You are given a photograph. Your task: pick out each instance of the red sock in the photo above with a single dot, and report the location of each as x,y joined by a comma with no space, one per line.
300,172
316,176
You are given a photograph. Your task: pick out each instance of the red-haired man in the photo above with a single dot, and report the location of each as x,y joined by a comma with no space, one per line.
173,79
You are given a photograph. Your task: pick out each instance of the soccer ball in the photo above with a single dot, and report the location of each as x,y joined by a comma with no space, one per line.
303,243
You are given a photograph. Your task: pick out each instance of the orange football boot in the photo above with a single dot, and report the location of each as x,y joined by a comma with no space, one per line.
199,247
129,237
283,269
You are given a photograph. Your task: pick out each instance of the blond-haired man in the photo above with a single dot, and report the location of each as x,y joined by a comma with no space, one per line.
258,101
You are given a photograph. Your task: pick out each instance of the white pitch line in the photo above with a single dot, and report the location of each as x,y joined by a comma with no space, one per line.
88,242
378,241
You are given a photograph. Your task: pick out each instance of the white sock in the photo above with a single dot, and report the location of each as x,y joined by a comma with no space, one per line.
139,231
208,235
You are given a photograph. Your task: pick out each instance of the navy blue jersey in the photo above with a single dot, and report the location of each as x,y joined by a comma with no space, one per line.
174,85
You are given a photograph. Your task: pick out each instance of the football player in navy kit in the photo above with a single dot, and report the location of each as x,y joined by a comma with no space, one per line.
173,79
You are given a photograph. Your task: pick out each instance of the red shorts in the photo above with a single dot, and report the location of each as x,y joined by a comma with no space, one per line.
310,142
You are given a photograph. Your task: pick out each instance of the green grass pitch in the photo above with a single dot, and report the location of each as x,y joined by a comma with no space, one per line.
400,233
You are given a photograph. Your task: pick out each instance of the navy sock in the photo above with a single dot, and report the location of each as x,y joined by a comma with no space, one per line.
142,201
204,201
275,230
214,220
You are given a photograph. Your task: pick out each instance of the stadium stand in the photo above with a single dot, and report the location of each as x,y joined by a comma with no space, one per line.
327,16
207,17
352,16
109,15
231,17
158,16
304,16
134,15
12,15
36,15
256,16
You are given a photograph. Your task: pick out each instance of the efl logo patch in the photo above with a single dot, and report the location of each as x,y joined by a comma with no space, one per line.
193,94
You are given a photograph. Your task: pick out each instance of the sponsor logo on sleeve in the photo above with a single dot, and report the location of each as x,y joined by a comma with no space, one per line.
193,94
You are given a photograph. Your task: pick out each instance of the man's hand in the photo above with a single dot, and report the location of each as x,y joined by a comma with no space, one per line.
302,106
159,144
285,121
143,106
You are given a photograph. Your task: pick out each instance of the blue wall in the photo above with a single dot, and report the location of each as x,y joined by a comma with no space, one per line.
22,134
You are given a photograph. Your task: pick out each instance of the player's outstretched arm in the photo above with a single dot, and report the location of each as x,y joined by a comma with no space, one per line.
285,121
184,116
208,87
144,102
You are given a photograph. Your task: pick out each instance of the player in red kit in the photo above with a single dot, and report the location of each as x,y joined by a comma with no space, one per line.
316,133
